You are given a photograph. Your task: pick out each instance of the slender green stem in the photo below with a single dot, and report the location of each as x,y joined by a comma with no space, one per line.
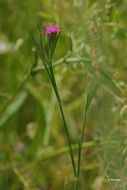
53,81
76,185
89,95
80,146
68,137
81,143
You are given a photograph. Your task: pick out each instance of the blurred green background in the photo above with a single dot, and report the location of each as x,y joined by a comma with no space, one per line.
33,152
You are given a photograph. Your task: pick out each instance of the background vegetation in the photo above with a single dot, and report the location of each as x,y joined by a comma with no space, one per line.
33,152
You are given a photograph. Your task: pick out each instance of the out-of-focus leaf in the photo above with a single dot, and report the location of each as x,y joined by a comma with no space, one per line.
13,107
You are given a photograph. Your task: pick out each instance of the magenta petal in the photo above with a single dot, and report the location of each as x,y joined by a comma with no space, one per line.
48,30
52,29
54,26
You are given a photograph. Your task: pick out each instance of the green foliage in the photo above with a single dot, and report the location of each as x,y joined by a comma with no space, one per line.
33,147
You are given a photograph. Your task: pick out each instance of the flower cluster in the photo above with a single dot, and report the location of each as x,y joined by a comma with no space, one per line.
46,42
52,29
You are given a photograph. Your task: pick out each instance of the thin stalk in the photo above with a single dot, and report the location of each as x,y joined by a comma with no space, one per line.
53,81
68,138
89,95
81,143
76,185
80,146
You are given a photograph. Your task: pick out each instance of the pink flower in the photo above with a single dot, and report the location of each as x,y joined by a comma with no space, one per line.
52,29
48,30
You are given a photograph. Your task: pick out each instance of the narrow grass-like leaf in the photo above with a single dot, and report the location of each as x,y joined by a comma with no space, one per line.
46,47
90,92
